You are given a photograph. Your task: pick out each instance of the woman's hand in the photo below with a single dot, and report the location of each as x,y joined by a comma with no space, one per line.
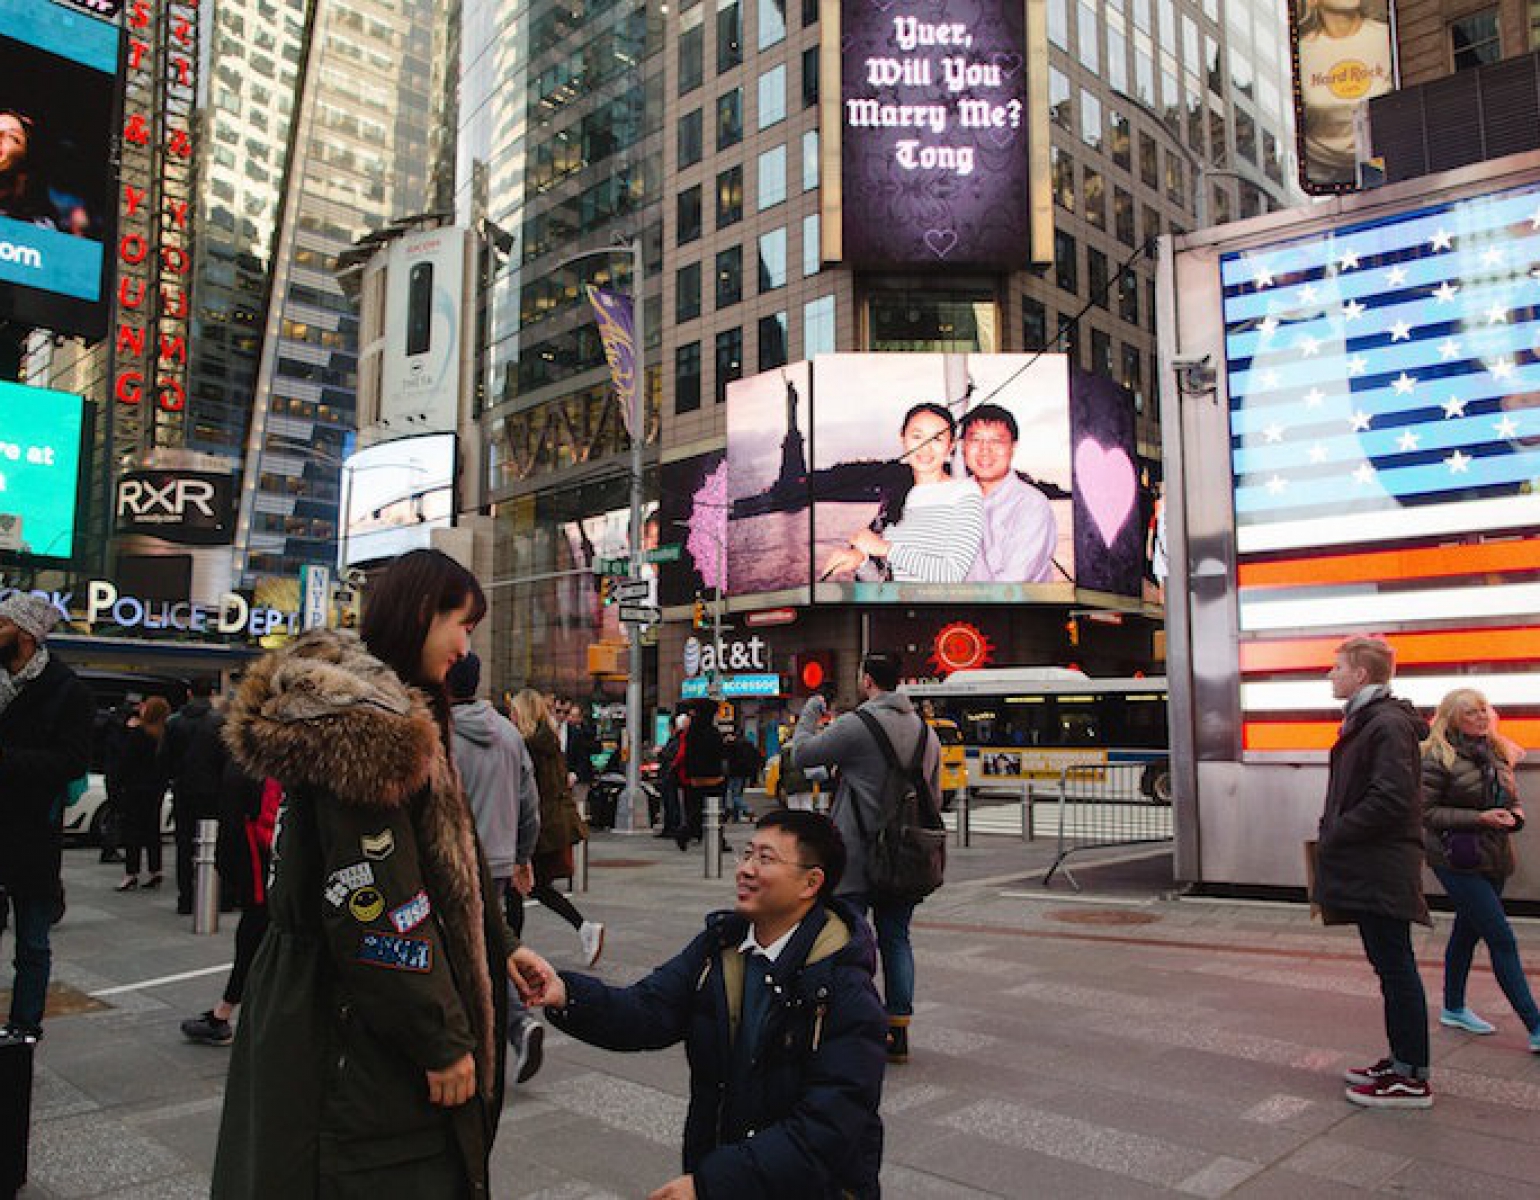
454,1085
843,560
531,975
1496,818
869,544
523,878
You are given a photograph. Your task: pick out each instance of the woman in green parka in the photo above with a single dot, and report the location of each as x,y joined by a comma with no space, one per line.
561,825
370,1053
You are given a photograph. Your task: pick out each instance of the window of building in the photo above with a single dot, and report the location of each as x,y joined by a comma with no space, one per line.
809,13
729,197
955,320
1034,324
809,160
1245,135
692,58
1151,220
1058,23
1060,107
690,138
772,260
1219,205
1089,26
729,118
687,378
687,292
1123,216
1149,161
689,215
812,248
1120,137
1101,352
1090,120
1475,40
1132,374
729,276
1093,194
1096,276
772,93
729,360
1218,136
1117,59
729,35
818,327
1065,269
770,187
772,22
1176,180
772,341
1128,300
810,76
1062,169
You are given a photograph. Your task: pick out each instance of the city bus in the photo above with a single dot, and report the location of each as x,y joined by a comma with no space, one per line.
1029,723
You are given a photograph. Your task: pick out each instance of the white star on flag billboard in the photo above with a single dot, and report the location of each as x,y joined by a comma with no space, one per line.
1384,384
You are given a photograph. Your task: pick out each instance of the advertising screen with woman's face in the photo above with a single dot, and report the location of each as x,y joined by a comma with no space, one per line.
928,477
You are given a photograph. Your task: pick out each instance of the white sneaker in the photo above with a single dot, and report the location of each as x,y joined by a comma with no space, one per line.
591,935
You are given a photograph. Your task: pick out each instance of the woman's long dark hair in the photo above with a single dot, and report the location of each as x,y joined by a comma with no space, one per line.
895,497
399,609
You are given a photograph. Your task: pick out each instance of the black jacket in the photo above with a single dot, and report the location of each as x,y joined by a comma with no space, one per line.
1369,858
704,751
45,738
804,1119
194,754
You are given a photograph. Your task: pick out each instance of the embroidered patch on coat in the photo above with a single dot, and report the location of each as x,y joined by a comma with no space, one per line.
379,845
396,953
366,905
411,914
342,883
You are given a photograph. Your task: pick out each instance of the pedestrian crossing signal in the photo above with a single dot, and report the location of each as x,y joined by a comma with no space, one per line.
1072,628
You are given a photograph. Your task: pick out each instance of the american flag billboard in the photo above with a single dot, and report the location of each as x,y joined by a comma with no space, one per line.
1384,387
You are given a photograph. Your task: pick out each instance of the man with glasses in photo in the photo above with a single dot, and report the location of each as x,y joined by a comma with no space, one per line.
782,1024
1020,532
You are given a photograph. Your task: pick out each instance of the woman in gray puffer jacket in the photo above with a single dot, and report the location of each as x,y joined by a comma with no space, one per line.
1470,808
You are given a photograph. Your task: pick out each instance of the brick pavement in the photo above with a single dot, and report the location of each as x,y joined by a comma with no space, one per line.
1121,1043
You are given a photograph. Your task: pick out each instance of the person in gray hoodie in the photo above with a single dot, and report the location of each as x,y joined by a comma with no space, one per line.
863,769
499,781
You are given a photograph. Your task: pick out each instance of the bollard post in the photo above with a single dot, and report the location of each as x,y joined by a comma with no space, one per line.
1027,830
205,878
711,830
964,828
579,881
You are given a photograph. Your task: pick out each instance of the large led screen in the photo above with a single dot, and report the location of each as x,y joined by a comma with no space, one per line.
1344,56
58,71
397,493
933,131
1385,442
40,440
692,514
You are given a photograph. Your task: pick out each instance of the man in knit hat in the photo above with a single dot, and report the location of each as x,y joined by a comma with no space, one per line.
45,734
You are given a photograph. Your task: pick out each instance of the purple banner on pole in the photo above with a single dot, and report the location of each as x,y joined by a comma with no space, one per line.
617,329
934,132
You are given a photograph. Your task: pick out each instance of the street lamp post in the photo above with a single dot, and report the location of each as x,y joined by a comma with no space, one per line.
626,819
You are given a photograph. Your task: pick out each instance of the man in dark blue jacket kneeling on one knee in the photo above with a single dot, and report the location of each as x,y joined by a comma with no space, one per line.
785,1034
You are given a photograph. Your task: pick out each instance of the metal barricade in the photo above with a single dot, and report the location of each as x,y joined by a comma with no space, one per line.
1112,804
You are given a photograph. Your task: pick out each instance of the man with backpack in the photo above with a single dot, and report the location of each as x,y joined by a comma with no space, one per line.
873,781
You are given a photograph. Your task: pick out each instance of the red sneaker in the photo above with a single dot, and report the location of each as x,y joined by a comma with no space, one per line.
1393,1091
1381,1069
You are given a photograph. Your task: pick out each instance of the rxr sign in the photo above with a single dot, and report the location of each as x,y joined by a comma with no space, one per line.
142,501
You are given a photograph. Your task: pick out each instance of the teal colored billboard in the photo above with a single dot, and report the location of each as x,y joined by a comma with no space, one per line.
40,437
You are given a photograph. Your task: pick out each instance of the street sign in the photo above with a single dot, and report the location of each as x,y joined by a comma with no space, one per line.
612,566
632,591
663,554
315,585
640,614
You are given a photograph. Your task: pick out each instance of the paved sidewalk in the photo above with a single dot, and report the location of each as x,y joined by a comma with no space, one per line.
1119,1043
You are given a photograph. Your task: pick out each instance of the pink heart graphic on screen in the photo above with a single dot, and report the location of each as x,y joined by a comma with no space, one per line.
941,241
1105,480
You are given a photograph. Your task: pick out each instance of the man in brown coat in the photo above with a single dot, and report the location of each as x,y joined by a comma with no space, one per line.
1369,860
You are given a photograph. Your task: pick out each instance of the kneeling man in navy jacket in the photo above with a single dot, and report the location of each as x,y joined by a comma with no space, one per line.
784,1032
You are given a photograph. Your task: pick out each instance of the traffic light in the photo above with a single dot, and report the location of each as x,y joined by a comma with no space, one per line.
811,669
701,620
1072,628
606,589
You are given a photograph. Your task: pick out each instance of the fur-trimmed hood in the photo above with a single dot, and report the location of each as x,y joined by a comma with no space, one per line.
324,716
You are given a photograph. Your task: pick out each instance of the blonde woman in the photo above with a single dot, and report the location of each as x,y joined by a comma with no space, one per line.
1470,808
144,779
561,826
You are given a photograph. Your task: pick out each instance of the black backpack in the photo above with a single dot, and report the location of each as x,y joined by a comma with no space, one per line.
906,857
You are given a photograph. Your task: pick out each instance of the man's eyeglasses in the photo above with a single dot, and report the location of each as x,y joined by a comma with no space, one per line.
762,857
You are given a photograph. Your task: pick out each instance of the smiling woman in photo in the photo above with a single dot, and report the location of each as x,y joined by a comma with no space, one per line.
927,530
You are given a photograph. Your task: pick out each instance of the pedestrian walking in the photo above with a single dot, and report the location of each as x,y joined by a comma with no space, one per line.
1369,861
243,856
851,746
743,763
561,826
194,761
1471,809
45,738
369,1058
142,779
705,771
499,781
781,1024
671,777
